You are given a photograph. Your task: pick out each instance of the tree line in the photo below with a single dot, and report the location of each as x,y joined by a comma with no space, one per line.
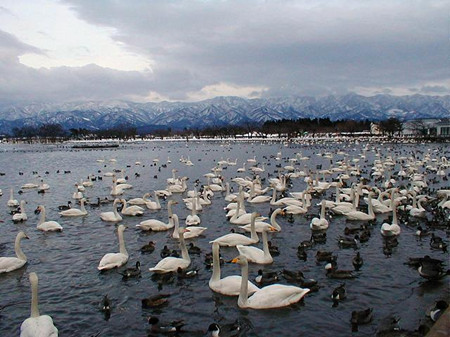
283,128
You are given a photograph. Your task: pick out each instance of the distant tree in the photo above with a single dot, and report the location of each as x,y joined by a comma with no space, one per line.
391,126
419,127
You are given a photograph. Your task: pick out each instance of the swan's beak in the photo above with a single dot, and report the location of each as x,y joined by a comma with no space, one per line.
26,237
272,229
235,260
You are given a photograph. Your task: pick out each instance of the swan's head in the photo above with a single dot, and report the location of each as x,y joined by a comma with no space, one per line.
22,235
182,230
241,259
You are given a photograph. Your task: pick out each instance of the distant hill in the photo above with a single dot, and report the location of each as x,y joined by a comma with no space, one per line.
221,111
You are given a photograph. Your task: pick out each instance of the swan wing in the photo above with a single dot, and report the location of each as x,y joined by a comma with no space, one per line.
233,239
275,296
231,286
38,326
8,264
112,260
169,264
154,225
48,226
252,254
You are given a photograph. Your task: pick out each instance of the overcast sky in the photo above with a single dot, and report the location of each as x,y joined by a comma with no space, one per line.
153,50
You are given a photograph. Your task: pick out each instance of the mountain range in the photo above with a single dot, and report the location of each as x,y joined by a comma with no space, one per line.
220,111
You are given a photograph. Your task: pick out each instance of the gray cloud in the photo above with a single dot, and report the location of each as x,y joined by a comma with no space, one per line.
288,47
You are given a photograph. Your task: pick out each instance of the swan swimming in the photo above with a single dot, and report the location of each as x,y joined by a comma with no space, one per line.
269,297
8,264
113,260
37,325
47,226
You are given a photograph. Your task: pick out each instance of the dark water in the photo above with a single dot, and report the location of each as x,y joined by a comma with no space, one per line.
71,288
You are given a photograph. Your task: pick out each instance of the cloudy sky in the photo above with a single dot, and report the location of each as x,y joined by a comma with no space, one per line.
153,50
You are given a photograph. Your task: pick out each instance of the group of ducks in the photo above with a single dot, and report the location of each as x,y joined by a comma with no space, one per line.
249,295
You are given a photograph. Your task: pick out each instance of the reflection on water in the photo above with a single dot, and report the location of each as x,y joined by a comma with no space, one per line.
71,289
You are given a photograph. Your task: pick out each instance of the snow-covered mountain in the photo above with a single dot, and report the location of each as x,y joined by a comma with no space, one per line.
221,111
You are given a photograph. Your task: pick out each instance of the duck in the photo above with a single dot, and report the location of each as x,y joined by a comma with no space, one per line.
193,249
158,225
132,210
334,273
271,296
11,201
148,248
438,310
155,301
36,324
105,306
8,264
22,215
229,285
65,207
274,251
132,272
75,211
360,317
233,239
324,256
157,327
339,294
165,252
357,261
265,278
113,216
194,231
170,263
436,242
257,255
185,273
431,270
47,226
115,260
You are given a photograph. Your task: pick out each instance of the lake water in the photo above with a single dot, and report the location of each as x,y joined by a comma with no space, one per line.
71,288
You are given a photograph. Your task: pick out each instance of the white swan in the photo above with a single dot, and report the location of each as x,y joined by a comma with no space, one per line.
22,215
229,285
8,264
37,325
113,216
272,296
154,205
257,199
319,223
132,210
359,215
170,263
261,226
158,225
12,202
47,226
194,231
115,190
257,255
75,211
233,239
392,229
193,219
113,260
139,201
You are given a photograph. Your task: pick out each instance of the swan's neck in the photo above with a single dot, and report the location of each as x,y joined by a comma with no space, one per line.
157,200
338,195
184,251
274,195
42,218
216,263
34,298
265,245
115,209
322,210
243,294
169,209
82,208
273,220
122,248
394,212
254,235
371,213
11,194
176,224
18,249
